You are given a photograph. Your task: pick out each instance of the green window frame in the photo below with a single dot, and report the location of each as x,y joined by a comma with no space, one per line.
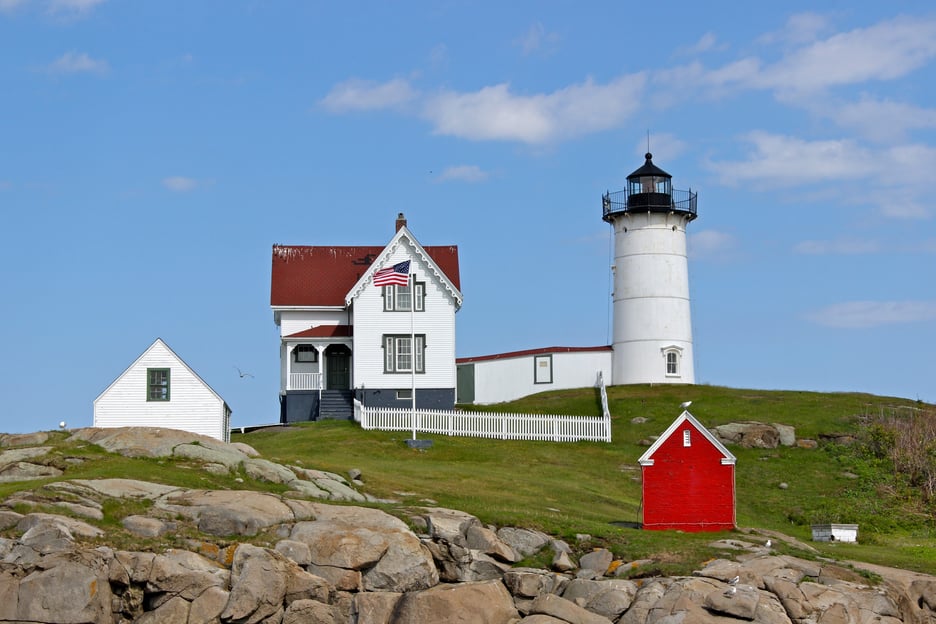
157,384
398,355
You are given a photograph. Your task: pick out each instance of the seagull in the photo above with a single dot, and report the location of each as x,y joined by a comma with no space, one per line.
734,581
768,544
731,591
242,374
685,404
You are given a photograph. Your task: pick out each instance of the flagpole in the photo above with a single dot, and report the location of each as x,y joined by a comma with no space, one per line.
412,280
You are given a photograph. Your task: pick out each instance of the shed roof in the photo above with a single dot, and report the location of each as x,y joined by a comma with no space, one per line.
647,458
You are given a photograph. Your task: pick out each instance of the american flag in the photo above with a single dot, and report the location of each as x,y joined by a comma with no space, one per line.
397,274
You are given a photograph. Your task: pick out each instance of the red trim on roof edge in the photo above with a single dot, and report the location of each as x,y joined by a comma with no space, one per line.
324,331
514,354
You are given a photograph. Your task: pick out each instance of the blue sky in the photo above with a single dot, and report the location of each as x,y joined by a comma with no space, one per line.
153,152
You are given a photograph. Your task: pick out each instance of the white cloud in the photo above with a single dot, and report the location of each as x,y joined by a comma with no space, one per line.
363,95
73,7
537,38
8,6
706,42
837,247
180,184
786,160
884,51
77,63
800,28
494,113
864,314
464,173
885,121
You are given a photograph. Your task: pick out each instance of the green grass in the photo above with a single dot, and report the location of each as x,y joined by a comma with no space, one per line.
593,489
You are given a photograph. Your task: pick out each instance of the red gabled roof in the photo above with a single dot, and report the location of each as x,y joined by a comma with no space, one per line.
322,276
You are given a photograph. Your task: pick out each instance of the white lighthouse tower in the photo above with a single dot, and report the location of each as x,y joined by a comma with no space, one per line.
652,324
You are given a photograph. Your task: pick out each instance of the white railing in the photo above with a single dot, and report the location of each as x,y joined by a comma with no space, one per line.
305,381
486,424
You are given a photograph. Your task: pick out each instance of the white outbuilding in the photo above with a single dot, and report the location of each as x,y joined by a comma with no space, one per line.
161,390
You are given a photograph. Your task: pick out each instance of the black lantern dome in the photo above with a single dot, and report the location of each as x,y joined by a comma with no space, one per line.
649,189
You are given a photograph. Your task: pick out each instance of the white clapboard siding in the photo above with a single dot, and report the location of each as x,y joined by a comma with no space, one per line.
295,321
192,406
437,322
507,378
502,426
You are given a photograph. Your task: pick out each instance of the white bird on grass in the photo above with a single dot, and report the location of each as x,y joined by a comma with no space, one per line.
685,404
768,544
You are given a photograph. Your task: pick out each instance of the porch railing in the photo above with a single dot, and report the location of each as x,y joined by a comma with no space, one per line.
486,424
305,381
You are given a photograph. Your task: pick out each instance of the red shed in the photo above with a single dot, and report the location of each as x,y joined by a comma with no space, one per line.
688,480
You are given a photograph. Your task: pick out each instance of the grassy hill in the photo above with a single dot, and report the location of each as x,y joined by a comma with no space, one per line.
594,488
589,488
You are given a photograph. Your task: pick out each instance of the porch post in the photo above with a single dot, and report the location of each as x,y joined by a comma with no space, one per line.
321,358
289,358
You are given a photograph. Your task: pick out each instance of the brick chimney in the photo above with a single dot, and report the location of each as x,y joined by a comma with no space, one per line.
400,221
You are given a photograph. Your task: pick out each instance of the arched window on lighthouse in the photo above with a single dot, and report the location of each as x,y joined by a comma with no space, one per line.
671,357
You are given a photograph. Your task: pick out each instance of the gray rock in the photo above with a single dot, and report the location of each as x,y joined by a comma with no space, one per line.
474,602
265,470
598,560
338,490
125,488
70,591
24,439
258,585
566,610
523,541
787,434
562,562
485,540
450,525
173,611
229,512
230,457
374,607
25,471
295,551
311,611
208,606
532,582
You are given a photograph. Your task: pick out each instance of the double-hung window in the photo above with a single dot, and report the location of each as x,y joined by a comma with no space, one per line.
157,384
400,298
401,357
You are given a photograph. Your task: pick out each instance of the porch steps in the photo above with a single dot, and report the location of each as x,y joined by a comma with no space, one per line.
336,405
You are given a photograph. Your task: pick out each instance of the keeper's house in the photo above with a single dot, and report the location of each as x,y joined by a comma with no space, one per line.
688,480
372,323
160,390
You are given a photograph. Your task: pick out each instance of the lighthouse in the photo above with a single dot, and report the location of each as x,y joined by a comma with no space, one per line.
652,340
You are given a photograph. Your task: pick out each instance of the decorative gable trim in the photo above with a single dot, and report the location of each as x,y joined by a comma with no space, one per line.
727,458
404,237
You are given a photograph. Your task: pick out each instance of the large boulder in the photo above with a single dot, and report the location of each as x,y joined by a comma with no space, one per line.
484,602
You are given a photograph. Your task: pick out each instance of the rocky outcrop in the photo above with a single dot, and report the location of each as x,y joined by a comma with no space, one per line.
262,558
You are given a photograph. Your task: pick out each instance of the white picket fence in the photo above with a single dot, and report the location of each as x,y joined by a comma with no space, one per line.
496,425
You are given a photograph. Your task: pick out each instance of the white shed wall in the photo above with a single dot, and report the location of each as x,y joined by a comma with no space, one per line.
192,405
507,379
437,322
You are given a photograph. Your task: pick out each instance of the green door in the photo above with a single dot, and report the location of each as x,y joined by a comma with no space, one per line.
337,368
464,376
